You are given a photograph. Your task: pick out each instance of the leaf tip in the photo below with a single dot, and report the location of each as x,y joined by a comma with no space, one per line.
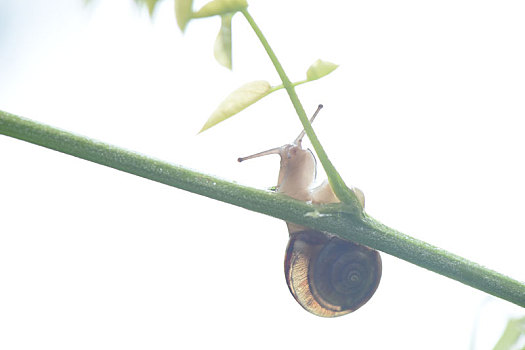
183,13
204,128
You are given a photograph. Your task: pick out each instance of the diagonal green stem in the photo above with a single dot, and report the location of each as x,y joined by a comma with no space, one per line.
335,219
338,185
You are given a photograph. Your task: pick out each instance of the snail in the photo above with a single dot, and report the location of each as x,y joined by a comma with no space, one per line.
328,276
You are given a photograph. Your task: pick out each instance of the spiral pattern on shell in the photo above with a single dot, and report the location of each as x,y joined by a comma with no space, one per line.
329,276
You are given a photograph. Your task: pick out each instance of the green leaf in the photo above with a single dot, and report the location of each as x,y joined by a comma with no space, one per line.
183,13
319,69
220,7
151,6
149,3
223,44
237,101
511,335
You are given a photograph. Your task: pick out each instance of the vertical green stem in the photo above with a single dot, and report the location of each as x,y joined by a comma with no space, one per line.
341,190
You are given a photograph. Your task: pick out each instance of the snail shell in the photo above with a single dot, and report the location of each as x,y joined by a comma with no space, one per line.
329,276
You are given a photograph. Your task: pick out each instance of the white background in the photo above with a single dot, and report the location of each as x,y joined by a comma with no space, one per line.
424,115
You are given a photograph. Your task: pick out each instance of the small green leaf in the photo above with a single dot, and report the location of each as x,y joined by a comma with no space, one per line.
151,6
223,44
220,7
237,101
183,13
513,332
319,69
149,3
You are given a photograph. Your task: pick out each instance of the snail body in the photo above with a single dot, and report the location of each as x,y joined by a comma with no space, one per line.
328,276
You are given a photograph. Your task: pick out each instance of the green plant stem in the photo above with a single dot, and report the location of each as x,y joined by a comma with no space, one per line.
359,228
297,83
336,181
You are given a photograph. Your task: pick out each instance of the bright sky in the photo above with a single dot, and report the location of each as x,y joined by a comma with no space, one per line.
424,115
